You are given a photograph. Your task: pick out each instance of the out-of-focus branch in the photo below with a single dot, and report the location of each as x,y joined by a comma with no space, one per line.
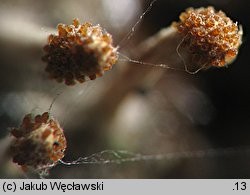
159,48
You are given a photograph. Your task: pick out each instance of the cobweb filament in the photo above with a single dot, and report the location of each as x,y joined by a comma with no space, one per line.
164,66
53,101
183,60
131,32
121,156
161,65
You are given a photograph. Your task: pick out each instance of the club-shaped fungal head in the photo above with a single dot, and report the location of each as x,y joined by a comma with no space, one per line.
39,143
211,38
79,52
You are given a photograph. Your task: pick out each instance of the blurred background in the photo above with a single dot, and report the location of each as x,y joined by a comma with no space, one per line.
170,111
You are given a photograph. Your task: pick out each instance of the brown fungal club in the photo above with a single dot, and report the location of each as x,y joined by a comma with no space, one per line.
39,142
210,36
79,52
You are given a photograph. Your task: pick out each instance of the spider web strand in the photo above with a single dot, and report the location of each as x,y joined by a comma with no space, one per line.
121,156
131,32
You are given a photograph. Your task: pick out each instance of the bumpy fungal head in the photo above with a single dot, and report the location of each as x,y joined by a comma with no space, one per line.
39,142
211,35
79,52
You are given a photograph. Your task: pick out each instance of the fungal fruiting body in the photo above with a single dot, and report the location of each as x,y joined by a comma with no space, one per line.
79,52
210,36
39,142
